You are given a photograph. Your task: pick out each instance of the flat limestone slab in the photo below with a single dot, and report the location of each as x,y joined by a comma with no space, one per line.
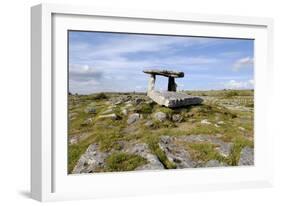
174,99
165,73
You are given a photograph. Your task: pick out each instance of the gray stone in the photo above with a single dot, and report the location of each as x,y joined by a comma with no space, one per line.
214,163
177,118
90,161
128,105
160,116
87,122
133,118
90,110
108,116
124,112
169,98
138,100
72,115
143,150
173,99
176,153
205,121
77,138
108,111
241,128
224,148
149,123
221,122
246,156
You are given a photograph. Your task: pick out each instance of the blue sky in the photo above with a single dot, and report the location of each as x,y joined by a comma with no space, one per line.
113,62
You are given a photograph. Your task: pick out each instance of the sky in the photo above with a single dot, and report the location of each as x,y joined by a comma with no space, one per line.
114,62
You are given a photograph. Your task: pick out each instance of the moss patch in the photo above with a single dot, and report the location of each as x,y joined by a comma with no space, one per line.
124,162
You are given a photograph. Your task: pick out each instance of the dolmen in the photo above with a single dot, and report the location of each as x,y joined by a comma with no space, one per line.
170,98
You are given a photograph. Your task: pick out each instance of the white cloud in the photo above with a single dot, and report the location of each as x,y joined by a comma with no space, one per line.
243,63
84,73
234,84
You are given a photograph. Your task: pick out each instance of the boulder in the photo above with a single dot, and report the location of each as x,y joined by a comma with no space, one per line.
174,99
90,161
177,118
160,116
138,100
133,118
246,156
176,153
143,150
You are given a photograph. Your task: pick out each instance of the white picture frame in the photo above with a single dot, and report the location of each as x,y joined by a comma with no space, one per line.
49,179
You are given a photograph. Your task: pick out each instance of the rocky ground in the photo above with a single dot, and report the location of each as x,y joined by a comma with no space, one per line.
125,132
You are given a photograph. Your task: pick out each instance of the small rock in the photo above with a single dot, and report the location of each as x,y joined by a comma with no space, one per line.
192,120
149,123
118,102
133,118
214,163
221,122
149,101
87,122
90,110
108,116
246,156
128,105
216,125
241,128
143,150
108,111
72,115
160,116
91,160
73,140
138,100
205,121
124,112
177,118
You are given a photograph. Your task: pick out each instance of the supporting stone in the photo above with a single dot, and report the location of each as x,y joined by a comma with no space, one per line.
172,86
151,83
169,98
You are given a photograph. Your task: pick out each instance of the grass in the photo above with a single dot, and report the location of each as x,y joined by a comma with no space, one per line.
74,153
120,161
144,108
107,133
239,144
154,147
204,152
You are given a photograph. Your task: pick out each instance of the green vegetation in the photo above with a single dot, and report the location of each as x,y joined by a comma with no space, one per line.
154,147
124,162
144,108
225,110
74,153
239,144
204,152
